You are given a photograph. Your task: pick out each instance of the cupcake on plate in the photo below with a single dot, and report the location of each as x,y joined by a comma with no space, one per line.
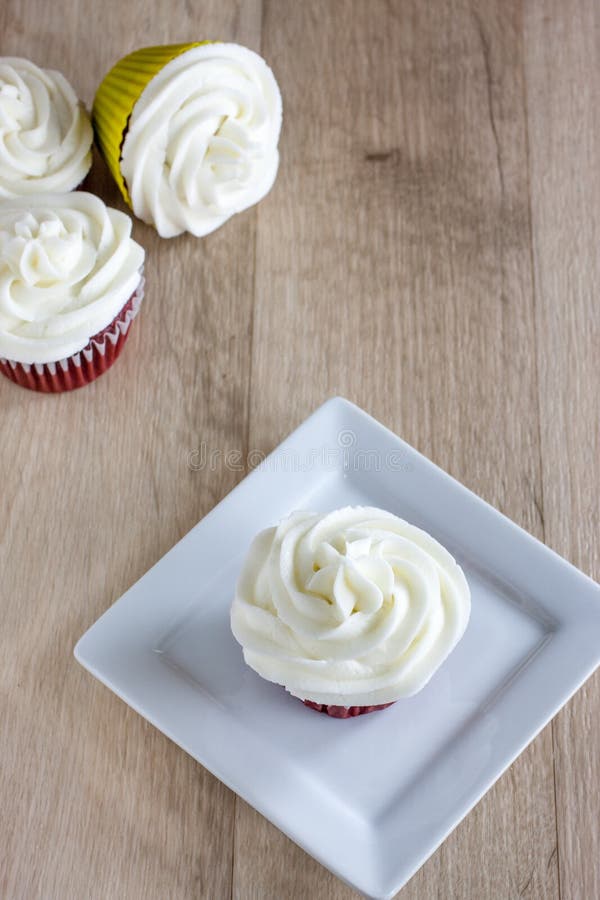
70,285
190,133
349,611
45,133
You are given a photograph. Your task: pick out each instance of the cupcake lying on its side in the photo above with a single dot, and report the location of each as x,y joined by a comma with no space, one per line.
45,133
190,133
70,285
349,611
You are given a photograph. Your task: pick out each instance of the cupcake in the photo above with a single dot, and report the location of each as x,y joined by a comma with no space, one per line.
348,611
45,133
70,285
190,133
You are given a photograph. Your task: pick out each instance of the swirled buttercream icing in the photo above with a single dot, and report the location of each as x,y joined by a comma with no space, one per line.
353,608
201,143
45,133
68,265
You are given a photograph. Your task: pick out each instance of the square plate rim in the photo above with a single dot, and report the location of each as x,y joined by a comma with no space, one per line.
387,886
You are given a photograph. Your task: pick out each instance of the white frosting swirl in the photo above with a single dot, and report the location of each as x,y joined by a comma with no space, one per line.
67,267
45,133
202,140
353,608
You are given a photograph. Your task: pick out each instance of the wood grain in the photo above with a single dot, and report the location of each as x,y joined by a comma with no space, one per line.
563,75
430,251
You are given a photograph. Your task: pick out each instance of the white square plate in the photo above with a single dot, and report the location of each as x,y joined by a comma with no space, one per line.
534,636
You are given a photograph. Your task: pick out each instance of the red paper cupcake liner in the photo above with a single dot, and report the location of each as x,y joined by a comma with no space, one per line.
83,367
344,712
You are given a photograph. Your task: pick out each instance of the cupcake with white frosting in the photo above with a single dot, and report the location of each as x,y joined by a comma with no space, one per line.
45,133
190,133
71,283
349,611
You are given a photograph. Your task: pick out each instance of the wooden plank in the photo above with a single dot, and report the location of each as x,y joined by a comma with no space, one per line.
393,266
95,802
391,263
563,77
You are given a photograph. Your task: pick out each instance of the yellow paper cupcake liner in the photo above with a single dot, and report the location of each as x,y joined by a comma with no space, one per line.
118,93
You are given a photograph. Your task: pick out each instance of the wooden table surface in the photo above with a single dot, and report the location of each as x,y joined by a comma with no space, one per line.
431,251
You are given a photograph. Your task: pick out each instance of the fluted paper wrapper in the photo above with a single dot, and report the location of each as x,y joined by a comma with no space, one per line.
344,712
117,95
81,368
